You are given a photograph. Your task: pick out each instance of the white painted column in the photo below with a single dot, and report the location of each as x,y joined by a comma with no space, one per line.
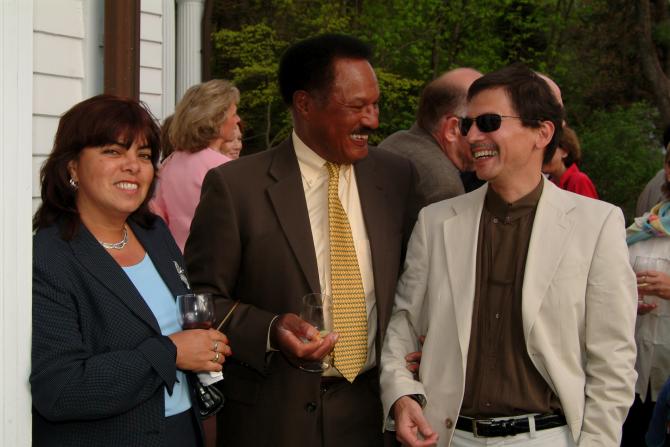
169,66
189,44
94,28
16,75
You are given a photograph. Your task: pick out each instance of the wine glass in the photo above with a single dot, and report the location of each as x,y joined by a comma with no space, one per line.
196,311
317,310
645,264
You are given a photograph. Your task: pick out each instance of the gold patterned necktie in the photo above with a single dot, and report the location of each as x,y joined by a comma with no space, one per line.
349,313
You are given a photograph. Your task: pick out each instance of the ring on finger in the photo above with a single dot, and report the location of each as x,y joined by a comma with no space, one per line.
216,346
216,358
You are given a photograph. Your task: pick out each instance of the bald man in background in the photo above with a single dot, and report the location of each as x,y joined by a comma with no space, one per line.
434,143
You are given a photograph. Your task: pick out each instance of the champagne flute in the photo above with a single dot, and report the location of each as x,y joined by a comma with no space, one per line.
196,311
316,310
645,264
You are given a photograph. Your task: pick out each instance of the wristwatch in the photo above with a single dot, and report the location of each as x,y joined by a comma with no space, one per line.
419,398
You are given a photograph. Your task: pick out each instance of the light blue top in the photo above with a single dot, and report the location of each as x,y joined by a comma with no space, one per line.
158,297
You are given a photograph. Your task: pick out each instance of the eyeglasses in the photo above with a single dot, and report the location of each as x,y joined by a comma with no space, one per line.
488,122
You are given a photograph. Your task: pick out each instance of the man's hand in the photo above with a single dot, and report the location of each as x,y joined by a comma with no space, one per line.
413,359
411,426
298,339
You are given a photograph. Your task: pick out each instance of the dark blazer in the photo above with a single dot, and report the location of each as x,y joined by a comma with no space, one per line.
251,240
439,179
99,361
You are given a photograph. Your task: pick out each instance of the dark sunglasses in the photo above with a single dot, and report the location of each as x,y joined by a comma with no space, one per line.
488,122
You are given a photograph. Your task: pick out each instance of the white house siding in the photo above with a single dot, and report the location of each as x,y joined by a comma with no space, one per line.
58,72
151,56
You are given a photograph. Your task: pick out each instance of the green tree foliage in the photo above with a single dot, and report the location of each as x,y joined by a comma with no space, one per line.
621,152
588,46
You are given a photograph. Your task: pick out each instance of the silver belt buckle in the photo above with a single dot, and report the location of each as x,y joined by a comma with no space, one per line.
474,427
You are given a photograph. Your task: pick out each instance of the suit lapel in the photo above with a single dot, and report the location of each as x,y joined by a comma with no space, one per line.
551,229
372,196
288,199
162,259
102,266
460,242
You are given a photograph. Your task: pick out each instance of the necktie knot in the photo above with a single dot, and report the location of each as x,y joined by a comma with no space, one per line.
333,170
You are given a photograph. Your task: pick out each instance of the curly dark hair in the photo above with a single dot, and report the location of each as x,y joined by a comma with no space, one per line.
97,121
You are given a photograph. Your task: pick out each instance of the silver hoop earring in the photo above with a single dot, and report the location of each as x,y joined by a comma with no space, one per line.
74,184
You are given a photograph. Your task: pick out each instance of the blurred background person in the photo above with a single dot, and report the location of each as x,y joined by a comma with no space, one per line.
232,148
434,144
648,237
563,169
652,193
203,121
166,146
110,364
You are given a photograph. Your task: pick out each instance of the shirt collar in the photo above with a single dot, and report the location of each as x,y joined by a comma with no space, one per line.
312,165
497,206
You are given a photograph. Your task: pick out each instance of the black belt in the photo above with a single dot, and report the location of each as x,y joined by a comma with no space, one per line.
329,381
489,428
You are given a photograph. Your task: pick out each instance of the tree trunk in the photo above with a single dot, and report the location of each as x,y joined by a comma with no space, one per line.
661,15
455,41
651,67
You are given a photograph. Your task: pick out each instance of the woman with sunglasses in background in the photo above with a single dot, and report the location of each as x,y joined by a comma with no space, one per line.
110,364
563,169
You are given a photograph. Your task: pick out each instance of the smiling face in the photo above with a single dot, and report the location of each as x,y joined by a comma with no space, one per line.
336,126
232,148
512,155
113,180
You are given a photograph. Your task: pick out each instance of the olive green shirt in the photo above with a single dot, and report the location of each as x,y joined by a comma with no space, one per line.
500,377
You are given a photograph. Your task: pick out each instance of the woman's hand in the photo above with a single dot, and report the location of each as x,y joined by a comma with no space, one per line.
644,308
200,349
655,283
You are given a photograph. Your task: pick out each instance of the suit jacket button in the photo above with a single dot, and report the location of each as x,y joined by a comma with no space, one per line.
448,423
310,407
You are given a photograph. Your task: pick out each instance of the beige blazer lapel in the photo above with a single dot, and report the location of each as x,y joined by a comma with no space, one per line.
551,229
460,242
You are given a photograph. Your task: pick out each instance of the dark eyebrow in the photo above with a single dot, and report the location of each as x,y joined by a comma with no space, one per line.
127,145
116,143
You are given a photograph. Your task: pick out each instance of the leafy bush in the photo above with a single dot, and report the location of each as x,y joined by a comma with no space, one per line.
621,152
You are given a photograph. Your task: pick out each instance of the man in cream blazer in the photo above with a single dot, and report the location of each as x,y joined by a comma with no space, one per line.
577,297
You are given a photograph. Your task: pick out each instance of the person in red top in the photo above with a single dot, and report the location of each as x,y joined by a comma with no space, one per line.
563,170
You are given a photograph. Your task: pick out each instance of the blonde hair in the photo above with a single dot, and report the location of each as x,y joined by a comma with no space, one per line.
200,113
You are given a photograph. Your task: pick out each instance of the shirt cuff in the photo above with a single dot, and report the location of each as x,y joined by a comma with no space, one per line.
268,346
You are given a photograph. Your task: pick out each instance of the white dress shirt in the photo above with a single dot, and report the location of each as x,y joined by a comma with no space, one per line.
315,183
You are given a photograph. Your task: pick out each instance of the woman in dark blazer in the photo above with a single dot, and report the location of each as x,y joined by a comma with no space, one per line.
110,365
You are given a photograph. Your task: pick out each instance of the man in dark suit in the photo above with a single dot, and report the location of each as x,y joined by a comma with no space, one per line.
262,235
434,144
